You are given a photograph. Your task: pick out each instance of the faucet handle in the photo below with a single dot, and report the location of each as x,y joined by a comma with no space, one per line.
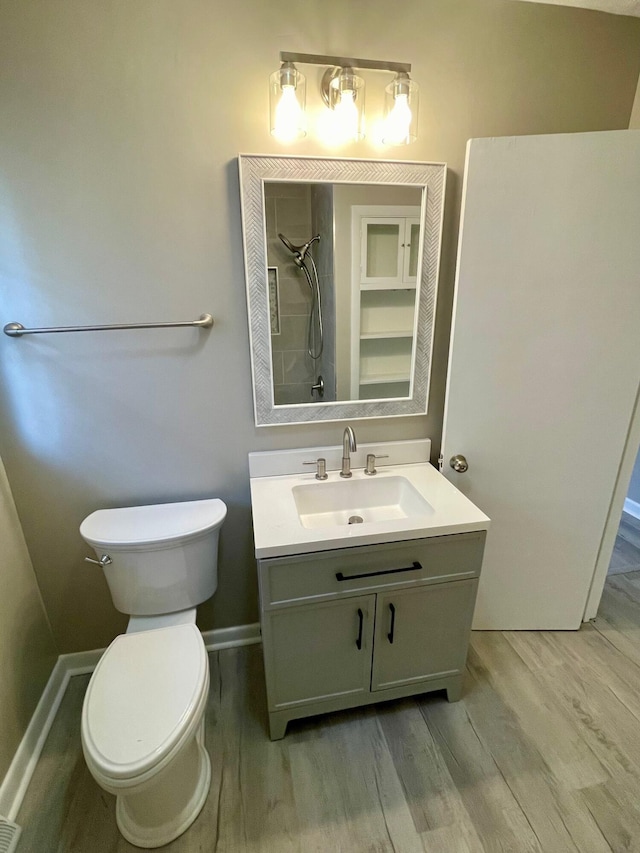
321,467
371,462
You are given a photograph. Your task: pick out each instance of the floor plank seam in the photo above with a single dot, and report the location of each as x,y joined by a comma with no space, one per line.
597,823
624,704
384,814
612,644
218,812
623,592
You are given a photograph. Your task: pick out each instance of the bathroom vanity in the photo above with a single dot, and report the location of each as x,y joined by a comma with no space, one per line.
353,614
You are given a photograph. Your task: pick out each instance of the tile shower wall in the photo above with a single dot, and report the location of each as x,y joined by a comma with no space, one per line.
288,211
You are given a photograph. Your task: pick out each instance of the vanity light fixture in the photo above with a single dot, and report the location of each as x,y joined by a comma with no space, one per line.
343,93
401,111
287,102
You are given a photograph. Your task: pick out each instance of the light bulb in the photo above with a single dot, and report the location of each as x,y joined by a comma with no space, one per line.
289,116
398,122
343,93
346,113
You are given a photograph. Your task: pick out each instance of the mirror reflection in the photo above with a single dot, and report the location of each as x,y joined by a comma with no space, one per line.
343,282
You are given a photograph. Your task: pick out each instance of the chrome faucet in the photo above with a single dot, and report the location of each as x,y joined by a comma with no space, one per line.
348,446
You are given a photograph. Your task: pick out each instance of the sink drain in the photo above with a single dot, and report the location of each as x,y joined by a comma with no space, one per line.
355,519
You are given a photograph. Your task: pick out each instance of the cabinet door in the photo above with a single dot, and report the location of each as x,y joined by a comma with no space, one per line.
382,251
422,633
318,651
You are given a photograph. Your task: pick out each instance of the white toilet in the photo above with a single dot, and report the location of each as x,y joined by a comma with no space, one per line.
143,713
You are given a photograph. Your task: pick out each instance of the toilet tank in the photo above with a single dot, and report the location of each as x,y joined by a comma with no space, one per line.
163,557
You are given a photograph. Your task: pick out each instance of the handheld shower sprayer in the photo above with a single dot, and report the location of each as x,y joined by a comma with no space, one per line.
315,315
299,252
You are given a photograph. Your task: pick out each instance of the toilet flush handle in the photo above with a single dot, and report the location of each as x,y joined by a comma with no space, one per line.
105,560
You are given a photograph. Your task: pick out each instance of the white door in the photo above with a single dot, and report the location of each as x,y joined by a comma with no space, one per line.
545,361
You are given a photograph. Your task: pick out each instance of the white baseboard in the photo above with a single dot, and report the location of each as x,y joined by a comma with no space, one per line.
632,507
228,638
18,776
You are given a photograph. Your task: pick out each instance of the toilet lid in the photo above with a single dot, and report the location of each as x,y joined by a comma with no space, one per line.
157,524
142,697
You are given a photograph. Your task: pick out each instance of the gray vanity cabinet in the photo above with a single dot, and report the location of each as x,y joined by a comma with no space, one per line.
358,625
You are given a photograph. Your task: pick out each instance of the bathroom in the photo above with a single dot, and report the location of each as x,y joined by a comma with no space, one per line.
120,203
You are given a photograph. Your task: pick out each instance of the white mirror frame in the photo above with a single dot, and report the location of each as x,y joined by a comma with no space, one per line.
255,170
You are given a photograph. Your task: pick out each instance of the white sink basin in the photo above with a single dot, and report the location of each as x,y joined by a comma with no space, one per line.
293,513
341,502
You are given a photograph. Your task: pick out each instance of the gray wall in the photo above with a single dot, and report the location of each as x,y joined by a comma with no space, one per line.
121,126
634,121
27,649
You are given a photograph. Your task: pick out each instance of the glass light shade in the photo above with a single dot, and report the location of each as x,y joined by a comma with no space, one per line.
287,94
400,125
346,99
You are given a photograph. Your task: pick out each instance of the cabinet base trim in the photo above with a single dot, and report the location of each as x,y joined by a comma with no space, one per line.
391,685
278,719
304,703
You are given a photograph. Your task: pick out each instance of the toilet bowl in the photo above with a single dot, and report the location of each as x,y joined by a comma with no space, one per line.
143,714
143,731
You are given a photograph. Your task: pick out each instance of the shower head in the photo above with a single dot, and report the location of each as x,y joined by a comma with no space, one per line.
289,244
299,252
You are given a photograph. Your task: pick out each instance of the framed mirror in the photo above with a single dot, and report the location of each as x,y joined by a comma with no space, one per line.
341,264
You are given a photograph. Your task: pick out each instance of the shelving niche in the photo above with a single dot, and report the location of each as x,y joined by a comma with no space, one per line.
384,291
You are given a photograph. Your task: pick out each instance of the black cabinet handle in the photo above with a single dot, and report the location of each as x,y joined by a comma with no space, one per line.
414,567
359,640
393,623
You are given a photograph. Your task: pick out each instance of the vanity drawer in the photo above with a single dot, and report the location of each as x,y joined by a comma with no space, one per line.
328,574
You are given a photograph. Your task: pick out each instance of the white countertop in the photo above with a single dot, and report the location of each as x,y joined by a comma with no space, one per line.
278,531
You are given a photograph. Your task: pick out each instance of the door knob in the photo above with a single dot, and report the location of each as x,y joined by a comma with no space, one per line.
459,463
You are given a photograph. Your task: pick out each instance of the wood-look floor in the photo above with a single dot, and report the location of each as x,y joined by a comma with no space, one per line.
541,754
626,551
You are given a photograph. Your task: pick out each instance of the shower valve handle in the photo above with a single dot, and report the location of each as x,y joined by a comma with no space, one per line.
319,387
